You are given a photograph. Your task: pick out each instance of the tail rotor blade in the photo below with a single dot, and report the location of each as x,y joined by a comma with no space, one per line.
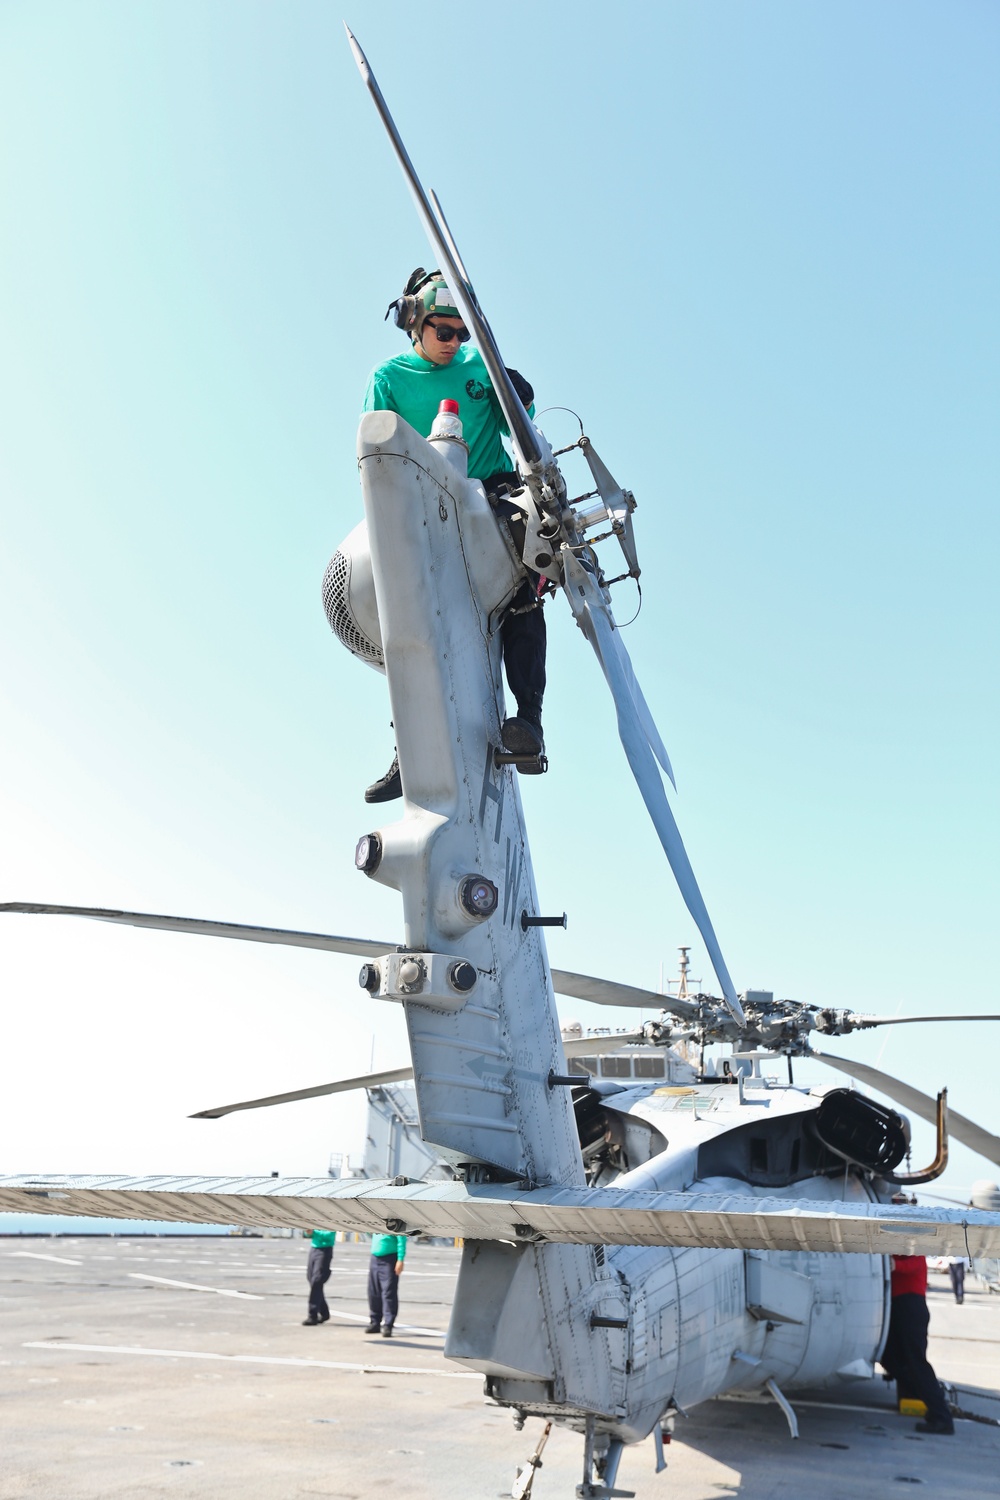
445,229
584,592
523,434
592,617
611,643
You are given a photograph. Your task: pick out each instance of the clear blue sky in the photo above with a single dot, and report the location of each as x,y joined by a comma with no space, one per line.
756,247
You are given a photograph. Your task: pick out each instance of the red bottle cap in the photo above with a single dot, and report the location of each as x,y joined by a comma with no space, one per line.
451,407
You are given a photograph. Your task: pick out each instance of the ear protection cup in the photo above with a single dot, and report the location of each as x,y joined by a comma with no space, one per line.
404,309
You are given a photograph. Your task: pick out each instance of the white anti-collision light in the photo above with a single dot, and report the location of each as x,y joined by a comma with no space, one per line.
368,853
478,896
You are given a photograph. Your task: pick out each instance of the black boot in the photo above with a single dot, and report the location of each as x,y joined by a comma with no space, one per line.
388,787
522,735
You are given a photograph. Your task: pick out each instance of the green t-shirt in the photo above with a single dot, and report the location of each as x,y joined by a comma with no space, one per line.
323,1238
389,1244
415,388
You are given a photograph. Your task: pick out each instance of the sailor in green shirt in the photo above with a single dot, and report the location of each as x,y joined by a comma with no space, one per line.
384,1270
415,384
318,1274
438,366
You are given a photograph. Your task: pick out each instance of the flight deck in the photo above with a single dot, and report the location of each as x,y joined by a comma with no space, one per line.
142,1366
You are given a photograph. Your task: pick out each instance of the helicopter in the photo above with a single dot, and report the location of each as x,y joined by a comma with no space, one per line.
629,1250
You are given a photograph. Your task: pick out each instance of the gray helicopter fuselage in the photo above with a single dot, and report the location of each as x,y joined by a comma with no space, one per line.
684,1325
611,1334
703,1322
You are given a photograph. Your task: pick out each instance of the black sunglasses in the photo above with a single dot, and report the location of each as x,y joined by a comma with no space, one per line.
445,335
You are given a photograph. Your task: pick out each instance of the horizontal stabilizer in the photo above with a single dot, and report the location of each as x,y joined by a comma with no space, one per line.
581,1216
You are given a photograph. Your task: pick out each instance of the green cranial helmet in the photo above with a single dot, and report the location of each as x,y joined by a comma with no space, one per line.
434,300
424,295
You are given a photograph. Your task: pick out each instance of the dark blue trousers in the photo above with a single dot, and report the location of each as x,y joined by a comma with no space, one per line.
383,1289
905,1355
317,1275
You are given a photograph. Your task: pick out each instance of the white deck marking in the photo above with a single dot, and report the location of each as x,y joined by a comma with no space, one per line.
437,1333
355,1272
63,1260
427,1275
192,1286
255,1359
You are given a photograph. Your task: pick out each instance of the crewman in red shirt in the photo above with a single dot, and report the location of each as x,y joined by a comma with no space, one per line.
905,1355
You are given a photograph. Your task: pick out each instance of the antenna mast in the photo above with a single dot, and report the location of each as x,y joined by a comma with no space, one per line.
682,984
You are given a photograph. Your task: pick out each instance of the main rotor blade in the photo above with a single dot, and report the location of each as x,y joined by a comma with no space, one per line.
579,986
361,947
342,1086
498,1211
522,432
862,1023
959,1128
594,1046
609,992
592,616
598,1046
